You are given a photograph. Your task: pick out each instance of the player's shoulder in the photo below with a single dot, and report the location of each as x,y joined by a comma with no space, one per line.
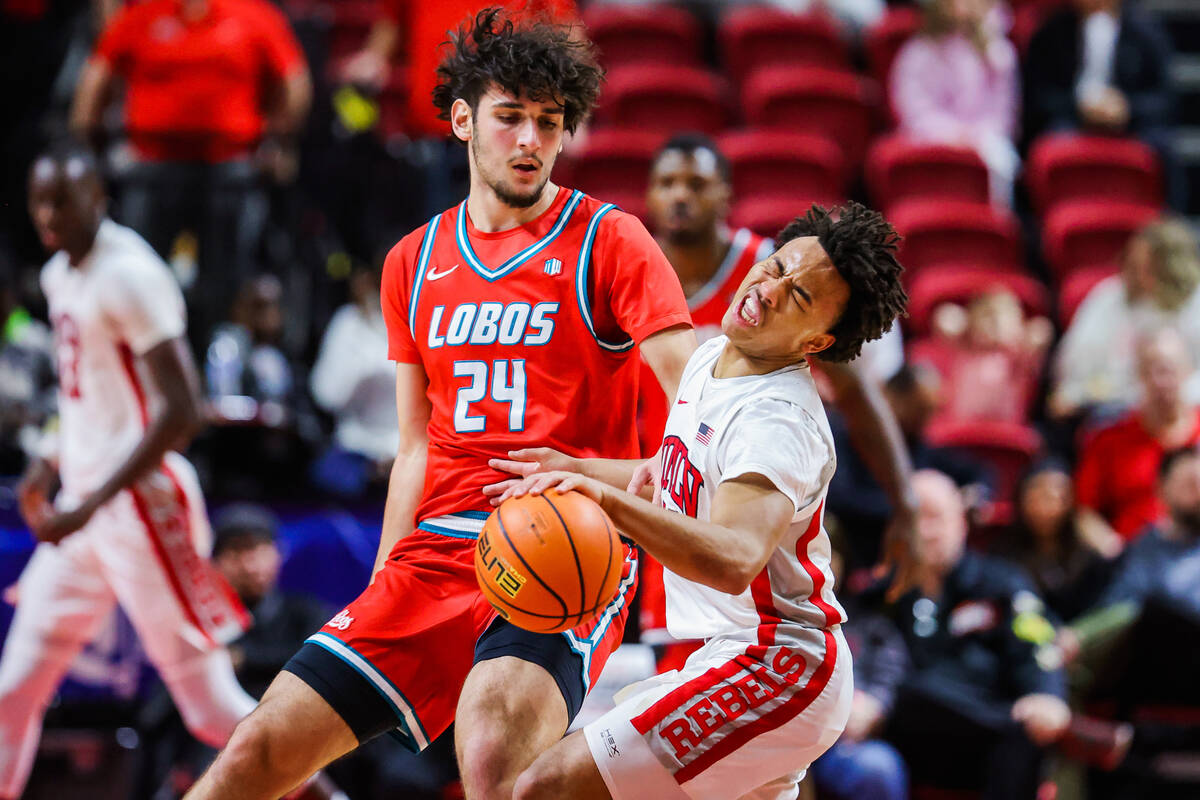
123,251
615,220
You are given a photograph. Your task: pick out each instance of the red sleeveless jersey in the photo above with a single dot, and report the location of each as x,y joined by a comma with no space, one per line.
527,336
707,308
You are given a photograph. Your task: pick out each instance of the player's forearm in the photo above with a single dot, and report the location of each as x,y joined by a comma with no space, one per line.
405,484
175,425
615,472
90,95
699,551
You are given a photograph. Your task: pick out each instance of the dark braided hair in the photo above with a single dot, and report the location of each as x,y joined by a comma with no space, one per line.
862,246
539,60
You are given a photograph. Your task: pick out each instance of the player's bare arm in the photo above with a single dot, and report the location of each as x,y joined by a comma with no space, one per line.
667,352
878,440
91,94
174,375
749,518
407,478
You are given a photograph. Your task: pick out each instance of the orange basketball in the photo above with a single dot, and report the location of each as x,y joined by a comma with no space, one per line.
548,562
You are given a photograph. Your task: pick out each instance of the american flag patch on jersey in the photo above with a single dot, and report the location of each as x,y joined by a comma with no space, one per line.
705,434
553,266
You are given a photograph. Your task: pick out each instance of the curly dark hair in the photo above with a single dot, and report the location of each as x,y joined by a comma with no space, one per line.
539,60
862,246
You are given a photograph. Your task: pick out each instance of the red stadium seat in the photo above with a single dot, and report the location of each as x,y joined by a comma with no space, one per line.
1090,234
766,215
952,284
637,34
613,160
958,234
900,169
778,162
1064,167
754,37
825,102
664,99
1008,447
1075,288
885,38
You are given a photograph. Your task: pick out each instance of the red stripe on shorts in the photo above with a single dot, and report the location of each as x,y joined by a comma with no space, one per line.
160,550
768,617
768,722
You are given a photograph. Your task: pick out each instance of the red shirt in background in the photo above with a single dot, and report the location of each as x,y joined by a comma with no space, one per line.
195,89
1117,475
424,27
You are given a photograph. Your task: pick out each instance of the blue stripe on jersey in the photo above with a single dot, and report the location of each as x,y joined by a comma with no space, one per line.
422,265
586,646
414,735
581,281
464,241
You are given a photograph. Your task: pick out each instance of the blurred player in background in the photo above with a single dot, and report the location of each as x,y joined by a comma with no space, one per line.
513,319
739,488
128,525
688,199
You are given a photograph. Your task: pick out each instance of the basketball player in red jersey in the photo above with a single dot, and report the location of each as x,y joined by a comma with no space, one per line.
513,320
688,198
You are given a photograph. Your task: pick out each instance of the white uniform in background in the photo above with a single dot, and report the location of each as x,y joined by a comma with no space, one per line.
770,689
147,547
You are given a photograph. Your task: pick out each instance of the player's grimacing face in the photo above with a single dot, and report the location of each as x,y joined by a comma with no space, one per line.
514,142
787,303
687,195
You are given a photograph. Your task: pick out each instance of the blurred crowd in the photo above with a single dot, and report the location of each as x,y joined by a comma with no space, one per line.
1046,380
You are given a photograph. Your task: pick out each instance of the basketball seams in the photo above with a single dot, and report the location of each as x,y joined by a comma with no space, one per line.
528,568
574,550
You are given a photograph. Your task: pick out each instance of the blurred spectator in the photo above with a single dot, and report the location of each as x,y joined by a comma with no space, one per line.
856,497
353,380
246,554
424,29
1160,273
27,385
957,82
985,694
1115,479
860,766
989,357
1103,66
263,424
1046,541
215,90
854,15
1160,568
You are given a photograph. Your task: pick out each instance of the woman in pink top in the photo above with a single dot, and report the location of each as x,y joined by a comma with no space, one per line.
957,82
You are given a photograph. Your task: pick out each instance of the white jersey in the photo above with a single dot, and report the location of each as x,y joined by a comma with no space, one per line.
773,425
118,302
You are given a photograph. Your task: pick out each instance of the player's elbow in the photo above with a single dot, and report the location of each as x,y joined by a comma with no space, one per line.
184,418
733,572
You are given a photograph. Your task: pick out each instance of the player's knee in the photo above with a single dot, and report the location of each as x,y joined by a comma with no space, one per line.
256,744
542,781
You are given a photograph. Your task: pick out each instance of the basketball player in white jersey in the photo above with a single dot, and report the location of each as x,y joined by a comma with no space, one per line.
739,487
128,524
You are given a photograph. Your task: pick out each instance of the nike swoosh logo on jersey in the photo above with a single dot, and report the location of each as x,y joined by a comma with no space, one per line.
681,403
433,274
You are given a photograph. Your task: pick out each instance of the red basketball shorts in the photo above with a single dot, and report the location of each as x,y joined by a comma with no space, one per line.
395,659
